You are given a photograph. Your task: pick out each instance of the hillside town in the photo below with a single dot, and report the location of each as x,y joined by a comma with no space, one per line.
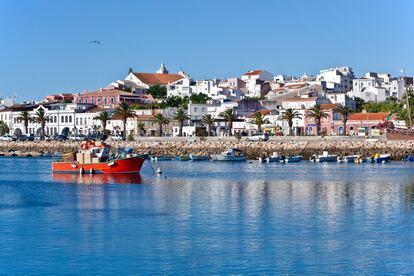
161,103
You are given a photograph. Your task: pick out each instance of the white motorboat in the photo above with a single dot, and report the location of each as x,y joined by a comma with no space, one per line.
229,155
325,157
275,157
348,159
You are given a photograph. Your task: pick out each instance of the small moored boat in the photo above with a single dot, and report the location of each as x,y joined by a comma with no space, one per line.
230,155
291,159
183,158
199,157
409,158
348,158
275,157
325,157
379,158
161,158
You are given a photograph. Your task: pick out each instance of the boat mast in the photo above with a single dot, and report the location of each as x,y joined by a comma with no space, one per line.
407,95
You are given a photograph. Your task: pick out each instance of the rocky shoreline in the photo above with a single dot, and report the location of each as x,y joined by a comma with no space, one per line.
253,150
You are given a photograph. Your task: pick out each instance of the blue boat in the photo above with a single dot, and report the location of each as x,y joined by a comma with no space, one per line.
291,159
409,158
183,158
195,157
379,158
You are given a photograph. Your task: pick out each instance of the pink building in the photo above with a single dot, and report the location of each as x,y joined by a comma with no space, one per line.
112,97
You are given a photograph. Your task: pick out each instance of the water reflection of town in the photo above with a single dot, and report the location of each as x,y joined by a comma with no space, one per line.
185,215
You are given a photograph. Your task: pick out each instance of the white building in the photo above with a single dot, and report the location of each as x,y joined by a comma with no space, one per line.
337,79
377,87
257,82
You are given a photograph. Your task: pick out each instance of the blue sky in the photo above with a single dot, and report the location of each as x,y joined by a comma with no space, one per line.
44,46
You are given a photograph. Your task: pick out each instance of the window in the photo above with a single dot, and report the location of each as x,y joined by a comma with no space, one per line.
98,100
76,121
66,119
86,100
93,100
112,99
70,119
62,119
105,100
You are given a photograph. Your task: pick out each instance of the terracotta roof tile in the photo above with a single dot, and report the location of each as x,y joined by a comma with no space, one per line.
369,116
155,78
107,92
328,106
253,73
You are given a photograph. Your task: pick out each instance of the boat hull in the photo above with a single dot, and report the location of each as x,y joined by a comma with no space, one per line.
121,166
228,158
292,159
199,157
322,159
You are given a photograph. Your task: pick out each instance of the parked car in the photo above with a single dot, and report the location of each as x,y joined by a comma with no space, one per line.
45,138
21,137
116,137
77,138
258,137
59,137
7,137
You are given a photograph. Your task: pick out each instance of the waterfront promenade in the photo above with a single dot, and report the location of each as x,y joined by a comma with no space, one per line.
283,145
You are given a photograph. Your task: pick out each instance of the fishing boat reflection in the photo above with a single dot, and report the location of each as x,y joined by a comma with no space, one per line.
98,178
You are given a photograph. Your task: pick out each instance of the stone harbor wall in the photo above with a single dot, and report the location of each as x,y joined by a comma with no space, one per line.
253,150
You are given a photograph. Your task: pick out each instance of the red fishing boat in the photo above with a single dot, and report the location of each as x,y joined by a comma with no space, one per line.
94,158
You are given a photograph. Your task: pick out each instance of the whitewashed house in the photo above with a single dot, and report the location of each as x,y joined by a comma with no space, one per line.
377,87
337,79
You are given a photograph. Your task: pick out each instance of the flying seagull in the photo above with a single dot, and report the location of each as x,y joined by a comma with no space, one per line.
95,42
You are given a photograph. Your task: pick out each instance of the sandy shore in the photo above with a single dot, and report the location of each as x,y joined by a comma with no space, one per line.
253,150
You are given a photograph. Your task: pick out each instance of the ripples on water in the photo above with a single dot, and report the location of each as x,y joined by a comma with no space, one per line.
206,218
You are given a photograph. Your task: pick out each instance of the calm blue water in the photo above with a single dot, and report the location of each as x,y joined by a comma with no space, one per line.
208,218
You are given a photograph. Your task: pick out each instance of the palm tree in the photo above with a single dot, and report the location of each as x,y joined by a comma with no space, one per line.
124,112
289,116
318,114
165,122
160,120
229,116
345,114
141,128
104,117
209,121
181,116
26,118
259,120
41,118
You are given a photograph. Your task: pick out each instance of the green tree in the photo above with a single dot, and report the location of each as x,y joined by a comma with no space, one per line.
289,116
25,117
123,112
181,116
259,120
318,114
158,91
173,102
104,117
4,128
209,121
199,98
402,111
345,113
41,118
359,103
229,116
